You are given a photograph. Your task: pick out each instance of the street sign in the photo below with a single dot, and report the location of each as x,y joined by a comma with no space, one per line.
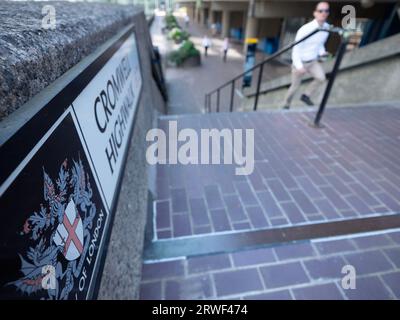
60,175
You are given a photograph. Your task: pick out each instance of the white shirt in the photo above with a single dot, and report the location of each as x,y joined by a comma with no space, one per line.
225,44
310,48
206,42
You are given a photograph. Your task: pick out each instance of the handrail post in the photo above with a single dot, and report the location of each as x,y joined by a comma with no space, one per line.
340,54
206,103
232,95
258,86
218,100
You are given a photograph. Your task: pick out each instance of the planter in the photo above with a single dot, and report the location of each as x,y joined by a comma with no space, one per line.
193,61
171,64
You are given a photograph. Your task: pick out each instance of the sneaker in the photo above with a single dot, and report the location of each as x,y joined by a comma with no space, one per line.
286,106
306,99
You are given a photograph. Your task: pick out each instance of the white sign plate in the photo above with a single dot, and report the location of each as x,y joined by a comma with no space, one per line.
105,111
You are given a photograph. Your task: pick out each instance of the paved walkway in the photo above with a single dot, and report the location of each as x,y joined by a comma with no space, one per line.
307,270
188,86
316,201
302,175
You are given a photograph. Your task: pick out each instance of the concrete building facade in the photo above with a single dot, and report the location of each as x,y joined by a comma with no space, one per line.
274,23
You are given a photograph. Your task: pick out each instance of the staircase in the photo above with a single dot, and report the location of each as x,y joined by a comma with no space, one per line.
317,200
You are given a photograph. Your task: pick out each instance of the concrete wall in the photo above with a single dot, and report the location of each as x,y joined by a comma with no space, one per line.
31,57
35,65
280,9
122,270
367,74
269,10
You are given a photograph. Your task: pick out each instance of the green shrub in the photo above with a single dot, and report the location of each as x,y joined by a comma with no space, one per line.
171,22
185,51
170,18
173,33
178,35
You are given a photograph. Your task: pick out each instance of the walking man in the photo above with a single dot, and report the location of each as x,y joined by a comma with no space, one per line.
187,19
305,56
206,44
225,47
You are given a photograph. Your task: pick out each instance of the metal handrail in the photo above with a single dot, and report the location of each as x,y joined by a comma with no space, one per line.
261,64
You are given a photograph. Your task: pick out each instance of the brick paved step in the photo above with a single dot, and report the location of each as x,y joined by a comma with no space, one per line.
303,270
240,240
349,169
231,237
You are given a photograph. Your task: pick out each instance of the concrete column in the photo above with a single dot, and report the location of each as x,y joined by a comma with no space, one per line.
226,17
252,22
251,27
197,12
194,14
202,16
190,12
211,16
282,33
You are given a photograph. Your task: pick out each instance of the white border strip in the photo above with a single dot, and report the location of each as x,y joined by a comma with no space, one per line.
33,151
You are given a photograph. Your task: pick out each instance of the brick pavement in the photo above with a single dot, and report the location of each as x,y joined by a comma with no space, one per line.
302,175
348,170
306,270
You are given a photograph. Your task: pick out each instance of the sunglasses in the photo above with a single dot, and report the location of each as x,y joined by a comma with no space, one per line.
323,10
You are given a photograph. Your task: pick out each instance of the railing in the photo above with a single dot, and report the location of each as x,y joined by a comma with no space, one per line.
339,55
157,72
156,68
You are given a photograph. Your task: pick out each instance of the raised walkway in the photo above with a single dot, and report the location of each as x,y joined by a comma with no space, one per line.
188,86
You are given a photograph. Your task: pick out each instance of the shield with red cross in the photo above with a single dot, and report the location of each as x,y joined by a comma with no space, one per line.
69,233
